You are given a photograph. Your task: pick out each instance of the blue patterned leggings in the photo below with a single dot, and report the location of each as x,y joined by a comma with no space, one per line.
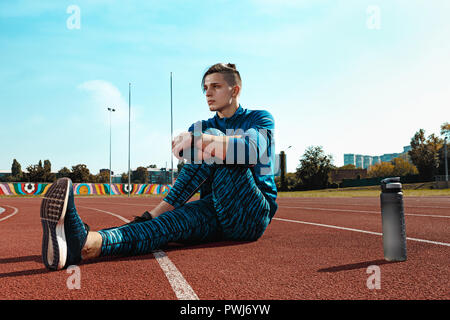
234,209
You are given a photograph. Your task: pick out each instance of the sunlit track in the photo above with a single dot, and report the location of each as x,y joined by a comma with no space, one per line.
107,212
132,204
10,215
377,202
363,211
321,252
180,286
358,230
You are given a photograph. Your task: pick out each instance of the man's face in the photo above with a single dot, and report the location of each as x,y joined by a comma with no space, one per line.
219,94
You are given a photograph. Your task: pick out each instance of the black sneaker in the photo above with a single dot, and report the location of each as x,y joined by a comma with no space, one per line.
146,216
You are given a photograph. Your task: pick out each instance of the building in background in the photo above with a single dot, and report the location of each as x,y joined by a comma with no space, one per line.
358,161
155,176
337,175
161,175
5,173
365,161
349,158
117,178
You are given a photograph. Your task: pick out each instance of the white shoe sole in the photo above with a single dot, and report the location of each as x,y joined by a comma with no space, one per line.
53,211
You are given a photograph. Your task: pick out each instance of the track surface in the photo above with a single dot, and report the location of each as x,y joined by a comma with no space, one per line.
315,248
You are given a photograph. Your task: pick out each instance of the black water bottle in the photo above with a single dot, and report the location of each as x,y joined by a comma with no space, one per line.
393,220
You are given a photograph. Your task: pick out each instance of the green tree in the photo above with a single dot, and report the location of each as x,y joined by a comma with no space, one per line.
424,154
314,168
124,178
403,168
63,173
291,181
382,169
16,170
35,173
80,173
102,176
348,167
48,175
445,129
140,175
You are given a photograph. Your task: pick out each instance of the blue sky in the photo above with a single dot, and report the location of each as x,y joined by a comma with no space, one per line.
328,76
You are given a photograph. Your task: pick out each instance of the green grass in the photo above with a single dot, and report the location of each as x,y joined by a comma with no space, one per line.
369,192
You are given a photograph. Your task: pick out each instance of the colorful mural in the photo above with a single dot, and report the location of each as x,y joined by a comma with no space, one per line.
27,188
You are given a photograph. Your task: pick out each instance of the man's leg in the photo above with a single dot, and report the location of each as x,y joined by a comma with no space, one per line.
195,221
236,210
190,179
241,208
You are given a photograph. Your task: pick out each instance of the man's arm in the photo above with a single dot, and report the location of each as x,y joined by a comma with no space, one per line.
162,207
216,146
244,148
208,145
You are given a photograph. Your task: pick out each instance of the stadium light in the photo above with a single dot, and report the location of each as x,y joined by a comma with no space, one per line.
111,110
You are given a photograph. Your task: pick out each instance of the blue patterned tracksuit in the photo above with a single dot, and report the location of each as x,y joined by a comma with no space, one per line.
237,198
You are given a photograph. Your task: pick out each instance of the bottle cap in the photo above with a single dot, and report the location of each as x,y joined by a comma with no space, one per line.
391,185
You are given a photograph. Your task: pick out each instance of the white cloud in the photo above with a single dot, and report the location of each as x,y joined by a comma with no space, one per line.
148,144
104,95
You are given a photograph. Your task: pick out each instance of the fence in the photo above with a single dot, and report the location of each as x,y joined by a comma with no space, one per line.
376,181
29,188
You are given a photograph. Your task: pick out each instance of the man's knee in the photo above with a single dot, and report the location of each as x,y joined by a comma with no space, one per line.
214,132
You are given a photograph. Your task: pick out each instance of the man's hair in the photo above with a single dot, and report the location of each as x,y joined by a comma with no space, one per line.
229,72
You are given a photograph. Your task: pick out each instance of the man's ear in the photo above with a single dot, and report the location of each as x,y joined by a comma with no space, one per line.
236,91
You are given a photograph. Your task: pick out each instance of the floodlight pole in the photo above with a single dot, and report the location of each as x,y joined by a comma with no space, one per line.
111,110
129,136
171,129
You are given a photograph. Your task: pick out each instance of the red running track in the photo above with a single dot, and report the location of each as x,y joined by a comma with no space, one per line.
315,248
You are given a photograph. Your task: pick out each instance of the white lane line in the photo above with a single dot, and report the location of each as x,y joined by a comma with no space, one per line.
182,289
362,211
328,209
132,204
12,214
426,215
358,230
110,213
2,210
180,286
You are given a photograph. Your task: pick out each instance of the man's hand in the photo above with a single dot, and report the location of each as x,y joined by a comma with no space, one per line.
183,142
205,147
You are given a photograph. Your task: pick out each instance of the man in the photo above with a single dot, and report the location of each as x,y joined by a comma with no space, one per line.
230,160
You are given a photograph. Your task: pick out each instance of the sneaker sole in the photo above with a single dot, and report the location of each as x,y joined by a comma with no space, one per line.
53,211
